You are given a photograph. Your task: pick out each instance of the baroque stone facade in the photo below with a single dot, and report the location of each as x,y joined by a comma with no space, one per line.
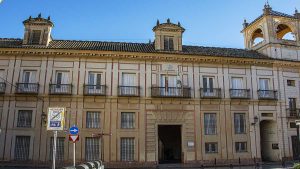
161,102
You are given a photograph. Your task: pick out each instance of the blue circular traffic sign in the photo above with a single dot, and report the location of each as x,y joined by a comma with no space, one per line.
74,130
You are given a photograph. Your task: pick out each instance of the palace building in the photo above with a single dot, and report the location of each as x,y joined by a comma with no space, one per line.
162,101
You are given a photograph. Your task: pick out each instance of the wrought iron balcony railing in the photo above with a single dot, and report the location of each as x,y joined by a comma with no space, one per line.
27,88
210,93
95,90
176,92
2,87
60,89
267,94
239,93
133,91
293,113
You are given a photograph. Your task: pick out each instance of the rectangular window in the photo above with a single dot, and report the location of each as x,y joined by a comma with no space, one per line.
210,123
292,104
62,77
211,147
127,149
92,119
239,123
59,148
168,43
22,146
237,83
208,84
92,148
264,84
127,120
293,125
291,83
24,118
128,79
94,78
36,35
241,146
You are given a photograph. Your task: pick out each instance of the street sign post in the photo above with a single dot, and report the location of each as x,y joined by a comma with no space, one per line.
74,137
55,122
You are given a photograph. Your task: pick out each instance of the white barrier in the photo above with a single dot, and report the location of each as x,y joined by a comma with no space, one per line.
88,165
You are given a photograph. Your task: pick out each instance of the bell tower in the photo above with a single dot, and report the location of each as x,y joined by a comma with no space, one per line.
37,31
168,36
274,33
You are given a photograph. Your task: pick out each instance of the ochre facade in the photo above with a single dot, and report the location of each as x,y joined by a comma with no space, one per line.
268,116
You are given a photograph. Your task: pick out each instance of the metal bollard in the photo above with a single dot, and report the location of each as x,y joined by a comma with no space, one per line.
82,166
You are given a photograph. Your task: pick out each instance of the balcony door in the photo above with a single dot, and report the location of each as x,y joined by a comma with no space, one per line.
168,85
62,81
264,88
128,84
237,85
208,86
94,82
27,78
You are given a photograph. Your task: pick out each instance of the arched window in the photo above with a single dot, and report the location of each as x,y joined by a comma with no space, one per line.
257,37
284,32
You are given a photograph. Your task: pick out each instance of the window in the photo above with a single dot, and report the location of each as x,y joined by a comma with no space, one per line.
22,146
291,83
168,43
208,84
29,76
62,77
35,39
292,104
92,148
237,83
168,81
92,119
94,78
293,125
239,123
264,84
59,148
24,118
127,120
128,79
127,149
211,147
241,146
210,125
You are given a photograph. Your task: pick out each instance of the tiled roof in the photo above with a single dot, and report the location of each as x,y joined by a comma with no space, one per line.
273,13
133,47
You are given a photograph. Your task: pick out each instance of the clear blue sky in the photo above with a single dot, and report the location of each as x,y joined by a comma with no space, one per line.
207,22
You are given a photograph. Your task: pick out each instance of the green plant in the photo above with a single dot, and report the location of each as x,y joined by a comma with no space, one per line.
296,166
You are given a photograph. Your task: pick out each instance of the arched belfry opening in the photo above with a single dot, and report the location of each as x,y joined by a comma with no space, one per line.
285,32
257,37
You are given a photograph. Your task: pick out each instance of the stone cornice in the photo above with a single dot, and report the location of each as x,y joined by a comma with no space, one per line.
168,57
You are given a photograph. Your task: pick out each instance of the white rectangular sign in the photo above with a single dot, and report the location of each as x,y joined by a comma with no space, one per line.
297,122
56,118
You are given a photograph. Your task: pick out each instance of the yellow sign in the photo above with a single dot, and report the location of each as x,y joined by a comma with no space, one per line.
56,118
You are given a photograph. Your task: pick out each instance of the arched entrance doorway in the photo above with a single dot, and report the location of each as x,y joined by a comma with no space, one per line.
269,141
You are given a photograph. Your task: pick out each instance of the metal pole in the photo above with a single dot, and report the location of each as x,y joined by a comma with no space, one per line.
74,154
298,140
54,149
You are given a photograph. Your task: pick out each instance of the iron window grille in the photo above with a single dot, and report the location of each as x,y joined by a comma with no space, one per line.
210,123
239,123
92,119
92,148
22,146
211,147
127,149
59,148
241,146
127,120
24,118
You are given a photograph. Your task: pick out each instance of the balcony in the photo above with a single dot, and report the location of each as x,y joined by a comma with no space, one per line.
27,88
293,113
210,93
130,91
2,87
60,89
95,90
267,95
172,92
239,93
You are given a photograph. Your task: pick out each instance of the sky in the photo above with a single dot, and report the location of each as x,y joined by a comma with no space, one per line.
207,22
